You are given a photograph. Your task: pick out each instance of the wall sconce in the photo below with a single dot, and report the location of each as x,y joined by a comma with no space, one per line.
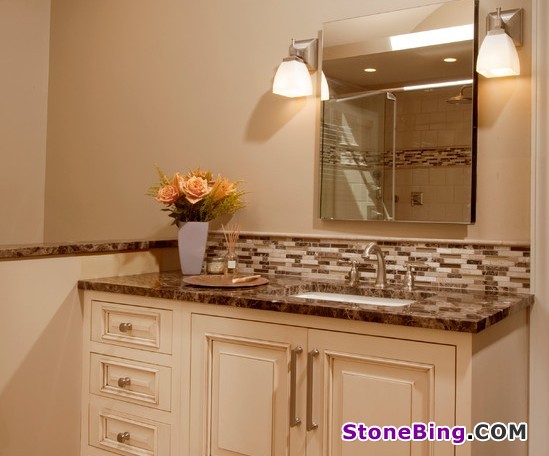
498,55
292,79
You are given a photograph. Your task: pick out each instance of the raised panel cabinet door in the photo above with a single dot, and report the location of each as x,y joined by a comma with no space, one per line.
380,382
242,388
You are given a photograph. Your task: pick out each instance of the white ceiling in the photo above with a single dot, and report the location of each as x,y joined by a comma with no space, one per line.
354,44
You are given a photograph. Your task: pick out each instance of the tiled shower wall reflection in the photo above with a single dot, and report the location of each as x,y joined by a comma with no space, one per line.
484,267
425,119
432,161
434,156
441,178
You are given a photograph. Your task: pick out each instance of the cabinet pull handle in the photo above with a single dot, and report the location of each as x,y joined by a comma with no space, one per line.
122,437
294,420
124,381
311,425
125,327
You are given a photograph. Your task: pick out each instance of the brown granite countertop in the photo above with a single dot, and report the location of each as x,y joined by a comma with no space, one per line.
20,251
445,309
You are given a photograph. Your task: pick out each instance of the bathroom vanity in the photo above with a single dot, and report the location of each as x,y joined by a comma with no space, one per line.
174,369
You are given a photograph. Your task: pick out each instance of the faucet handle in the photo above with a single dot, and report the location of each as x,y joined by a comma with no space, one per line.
353,276
409,277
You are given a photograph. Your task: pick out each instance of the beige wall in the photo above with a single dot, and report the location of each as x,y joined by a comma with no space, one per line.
41,345
24,49
182,84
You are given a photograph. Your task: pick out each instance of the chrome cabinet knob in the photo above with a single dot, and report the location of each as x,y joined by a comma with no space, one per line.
124,381
122,437
125,327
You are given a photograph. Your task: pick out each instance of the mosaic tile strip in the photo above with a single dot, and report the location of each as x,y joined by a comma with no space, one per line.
356,159
447,156
351,158
482,267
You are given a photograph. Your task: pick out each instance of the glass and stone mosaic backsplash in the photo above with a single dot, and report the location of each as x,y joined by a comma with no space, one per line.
483,267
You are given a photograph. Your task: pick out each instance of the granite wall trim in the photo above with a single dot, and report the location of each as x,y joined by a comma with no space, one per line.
476,266
15,252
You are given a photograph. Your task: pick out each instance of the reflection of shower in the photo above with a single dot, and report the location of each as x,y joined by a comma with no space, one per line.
461,99
357,138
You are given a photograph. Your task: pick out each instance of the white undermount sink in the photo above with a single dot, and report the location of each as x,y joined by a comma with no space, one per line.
354,299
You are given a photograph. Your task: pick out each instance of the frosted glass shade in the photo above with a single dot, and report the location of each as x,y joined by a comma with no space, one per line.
498,56
292,79
324,88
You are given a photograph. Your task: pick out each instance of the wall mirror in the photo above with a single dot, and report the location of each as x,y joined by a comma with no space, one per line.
398,132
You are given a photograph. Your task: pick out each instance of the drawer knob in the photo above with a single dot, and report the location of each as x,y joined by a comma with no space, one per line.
122,437
124,381
125,327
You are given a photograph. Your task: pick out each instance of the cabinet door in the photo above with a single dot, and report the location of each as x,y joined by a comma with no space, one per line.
241,388
379,382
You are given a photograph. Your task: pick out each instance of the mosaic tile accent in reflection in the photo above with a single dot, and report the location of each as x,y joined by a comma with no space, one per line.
483,267
357,159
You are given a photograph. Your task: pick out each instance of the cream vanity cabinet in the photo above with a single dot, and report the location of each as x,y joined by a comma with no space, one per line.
131,377
171,378
271,389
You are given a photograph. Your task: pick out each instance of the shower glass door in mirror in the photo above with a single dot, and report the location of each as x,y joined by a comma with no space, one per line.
399,129
357,157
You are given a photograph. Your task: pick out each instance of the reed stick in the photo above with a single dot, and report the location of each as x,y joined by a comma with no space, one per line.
231,234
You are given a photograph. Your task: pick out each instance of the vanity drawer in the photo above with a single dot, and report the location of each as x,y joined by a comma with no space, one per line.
129,380
131,326
126,434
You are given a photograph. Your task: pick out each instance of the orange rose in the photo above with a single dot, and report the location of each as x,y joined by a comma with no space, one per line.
194,188
167,194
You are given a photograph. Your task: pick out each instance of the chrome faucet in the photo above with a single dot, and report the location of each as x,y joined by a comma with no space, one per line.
381,278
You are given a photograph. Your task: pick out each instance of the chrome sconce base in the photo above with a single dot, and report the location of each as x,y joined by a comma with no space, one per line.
307,51
512,23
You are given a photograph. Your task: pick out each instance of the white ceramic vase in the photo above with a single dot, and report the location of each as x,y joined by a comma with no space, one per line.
191,239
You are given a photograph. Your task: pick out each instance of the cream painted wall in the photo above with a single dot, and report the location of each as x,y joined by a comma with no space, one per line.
41,345
185,83
24,51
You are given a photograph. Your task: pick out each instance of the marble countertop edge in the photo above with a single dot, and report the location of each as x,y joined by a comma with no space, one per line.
449,310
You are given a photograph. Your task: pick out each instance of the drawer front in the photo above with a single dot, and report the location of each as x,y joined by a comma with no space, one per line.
127,434
129,380
131,326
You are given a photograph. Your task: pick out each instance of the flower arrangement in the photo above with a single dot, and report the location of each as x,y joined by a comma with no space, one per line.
197,196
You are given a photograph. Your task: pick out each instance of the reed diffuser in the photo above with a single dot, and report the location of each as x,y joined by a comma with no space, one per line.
231,234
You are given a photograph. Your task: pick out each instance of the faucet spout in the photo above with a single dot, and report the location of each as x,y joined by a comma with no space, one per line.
373,249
